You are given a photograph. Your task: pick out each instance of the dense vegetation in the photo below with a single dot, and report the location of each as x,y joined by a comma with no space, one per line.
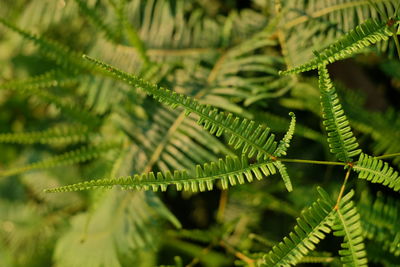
199,133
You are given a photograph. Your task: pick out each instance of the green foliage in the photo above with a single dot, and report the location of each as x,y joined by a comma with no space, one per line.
83,124
229,171
69,158
348,225
63,134
313,225
247,136
341,139
379,220
362,36
377,171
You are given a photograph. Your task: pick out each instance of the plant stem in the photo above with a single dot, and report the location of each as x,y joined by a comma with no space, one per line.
342,189
250,262
222,204
203,253
312,161
396,41
388,155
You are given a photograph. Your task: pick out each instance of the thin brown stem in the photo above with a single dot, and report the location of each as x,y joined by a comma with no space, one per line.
342,188
396,41
223,200
249,261
203,253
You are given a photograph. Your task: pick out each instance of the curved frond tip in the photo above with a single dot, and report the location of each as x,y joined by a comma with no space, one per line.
229,171
285,142
370,32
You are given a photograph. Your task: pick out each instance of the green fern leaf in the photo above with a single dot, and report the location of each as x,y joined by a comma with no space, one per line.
370,32
285,176
380,221
341,139
285,142
377,171
66,134
312,226
49,79
229,171
62,55
247,136
97,20
69,158
35,87
347,224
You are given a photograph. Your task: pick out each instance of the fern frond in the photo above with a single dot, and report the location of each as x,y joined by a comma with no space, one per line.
61,54
49,79
370,32
312,226
34,87
377,171
285,176
347,225
341,139
247,136
66,134
229,171
69,158
69,109
97,20
380,221
285,142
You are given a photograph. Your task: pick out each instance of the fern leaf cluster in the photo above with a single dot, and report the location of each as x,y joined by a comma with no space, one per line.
229,171
377,171
341,139
222,73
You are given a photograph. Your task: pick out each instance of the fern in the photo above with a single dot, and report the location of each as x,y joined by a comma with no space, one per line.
285,142
69,158
377,171
341,139
248,136
379,219
97,20
362,36
348,225
65,134
62,55
229,171
49,79
284,174
311,25
312,226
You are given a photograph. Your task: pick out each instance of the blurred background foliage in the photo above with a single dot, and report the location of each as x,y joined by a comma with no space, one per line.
63,122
